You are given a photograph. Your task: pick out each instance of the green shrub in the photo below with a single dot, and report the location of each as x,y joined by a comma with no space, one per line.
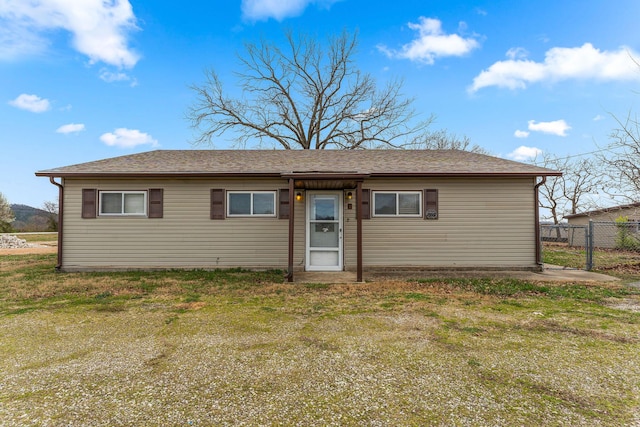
624,237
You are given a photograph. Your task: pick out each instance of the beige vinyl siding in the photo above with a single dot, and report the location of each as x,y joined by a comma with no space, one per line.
184,238
483,222
583,220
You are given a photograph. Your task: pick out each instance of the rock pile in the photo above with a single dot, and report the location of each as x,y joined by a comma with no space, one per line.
9,241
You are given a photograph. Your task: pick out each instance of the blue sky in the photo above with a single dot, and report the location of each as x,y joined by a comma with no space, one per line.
88,79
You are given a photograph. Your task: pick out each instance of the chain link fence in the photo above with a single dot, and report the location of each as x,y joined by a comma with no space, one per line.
592,239
623,235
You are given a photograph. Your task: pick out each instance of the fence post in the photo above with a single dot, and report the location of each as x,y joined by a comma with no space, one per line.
589,245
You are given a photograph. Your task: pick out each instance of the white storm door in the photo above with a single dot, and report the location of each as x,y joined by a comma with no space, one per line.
324,231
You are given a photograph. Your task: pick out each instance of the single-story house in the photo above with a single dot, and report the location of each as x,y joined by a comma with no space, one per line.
606,234
630,211
299,210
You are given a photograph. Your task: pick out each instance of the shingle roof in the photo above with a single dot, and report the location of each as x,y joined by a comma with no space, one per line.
287,162
604,210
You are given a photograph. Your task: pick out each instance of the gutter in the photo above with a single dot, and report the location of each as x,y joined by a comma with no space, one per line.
287,175
537,222
60,219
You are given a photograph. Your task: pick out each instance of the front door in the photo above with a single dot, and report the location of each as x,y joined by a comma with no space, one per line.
324,231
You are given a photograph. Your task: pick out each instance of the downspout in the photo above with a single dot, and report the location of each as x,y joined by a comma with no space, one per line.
60,219
537,222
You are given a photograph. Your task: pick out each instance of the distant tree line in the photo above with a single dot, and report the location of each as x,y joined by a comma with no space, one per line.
14,218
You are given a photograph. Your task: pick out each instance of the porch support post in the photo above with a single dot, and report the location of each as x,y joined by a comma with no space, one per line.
359,230
291,228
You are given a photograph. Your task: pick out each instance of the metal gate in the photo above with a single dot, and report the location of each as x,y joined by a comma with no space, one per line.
570,236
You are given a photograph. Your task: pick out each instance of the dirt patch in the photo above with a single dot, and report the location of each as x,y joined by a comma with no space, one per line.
629,304
622,268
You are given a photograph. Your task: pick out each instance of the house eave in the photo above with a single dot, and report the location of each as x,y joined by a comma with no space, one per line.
287,175
156,174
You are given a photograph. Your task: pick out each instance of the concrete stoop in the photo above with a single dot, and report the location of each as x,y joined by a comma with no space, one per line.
324,277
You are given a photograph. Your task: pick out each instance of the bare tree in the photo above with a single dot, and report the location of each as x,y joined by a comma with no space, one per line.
304,96
622,159
576,190
52,215
444,140
6,214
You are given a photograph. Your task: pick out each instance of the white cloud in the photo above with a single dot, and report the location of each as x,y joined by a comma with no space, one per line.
99,28
431,43
127,138
517,53
70,128
111,77
524,153
521,134
584,62
17,42
598,117
556,127
32,103
262,10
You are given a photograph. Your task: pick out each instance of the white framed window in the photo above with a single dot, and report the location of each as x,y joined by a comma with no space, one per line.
123,203
397,203
251,203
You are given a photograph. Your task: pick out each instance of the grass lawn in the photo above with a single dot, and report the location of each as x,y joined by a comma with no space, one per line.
203,348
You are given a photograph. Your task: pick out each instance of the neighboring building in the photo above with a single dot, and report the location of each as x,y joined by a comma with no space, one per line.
299,210
631,211
606,233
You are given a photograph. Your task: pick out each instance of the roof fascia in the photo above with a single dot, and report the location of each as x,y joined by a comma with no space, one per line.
289,175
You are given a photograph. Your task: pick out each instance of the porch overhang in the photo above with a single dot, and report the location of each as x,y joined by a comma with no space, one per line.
326,181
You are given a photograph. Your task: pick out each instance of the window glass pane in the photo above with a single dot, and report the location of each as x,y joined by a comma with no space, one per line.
111,203
134,203
385,203
324,235
409,204
264,204
325,209
239,203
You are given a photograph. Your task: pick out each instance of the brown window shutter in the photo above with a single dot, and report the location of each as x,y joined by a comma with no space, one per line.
217,204
366,208
89,198
283,211
431,204
155,203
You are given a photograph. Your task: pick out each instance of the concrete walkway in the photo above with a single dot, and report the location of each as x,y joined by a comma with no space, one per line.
549,274
556,273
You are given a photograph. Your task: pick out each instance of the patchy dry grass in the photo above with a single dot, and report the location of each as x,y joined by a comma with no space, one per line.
239,348
37,237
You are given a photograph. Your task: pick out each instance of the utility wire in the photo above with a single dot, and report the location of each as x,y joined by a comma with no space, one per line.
573,155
